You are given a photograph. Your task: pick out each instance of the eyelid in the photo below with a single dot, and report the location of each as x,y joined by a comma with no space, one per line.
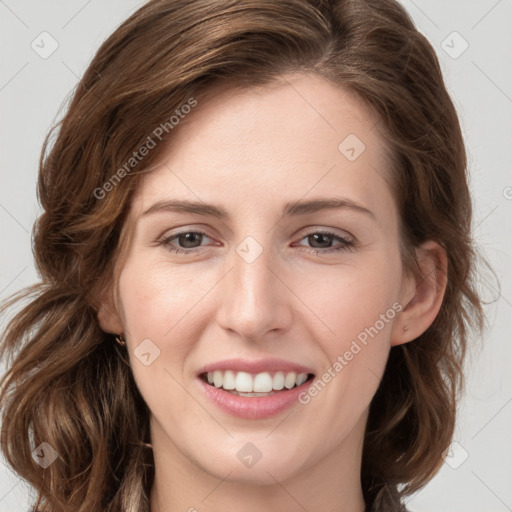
166,236
333,231
172,232
304,232
347,242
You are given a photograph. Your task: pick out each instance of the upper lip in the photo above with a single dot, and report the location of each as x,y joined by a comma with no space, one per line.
255,366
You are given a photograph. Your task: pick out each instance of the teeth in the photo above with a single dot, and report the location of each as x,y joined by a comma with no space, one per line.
243,382
217,379
301,378
278,381
262,383
289,380
229,381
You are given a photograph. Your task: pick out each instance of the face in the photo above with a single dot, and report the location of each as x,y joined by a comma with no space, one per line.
278,287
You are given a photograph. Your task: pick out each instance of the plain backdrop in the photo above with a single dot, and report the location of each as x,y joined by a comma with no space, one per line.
473,40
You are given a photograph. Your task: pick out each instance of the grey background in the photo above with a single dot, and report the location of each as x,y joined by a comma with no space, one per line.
33,89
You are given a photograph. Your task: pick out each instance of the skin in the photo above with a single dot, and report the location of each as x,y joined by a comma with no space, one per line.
251,151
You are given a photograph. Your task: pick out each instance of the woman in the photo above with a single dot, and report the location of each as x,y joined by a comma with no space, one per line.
261,370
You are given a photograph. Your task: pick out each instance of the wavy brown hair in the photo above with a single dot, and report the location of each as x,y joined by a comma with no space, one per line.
69,384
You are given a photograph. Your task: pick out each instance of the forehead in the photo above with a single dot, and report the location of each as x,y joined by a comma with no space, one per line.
246,148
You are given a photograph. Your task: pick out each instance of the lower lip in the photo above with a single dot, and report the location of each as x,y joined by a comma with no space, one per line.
255,407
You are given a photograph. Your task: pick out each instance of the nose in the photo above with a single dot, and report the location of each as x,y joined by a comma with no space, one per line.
255,300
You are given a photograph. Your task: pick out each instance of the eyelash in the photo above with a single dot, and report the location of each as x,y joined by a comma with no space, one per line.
346,244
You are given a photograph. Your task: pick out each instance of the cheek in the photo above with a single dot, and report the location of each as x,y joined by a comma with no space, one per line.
165,302
356,307
156,299
158,304
349,299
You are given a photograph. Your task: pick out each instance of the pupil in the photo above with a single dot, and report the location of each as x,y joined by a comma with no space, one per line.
315,236
188,237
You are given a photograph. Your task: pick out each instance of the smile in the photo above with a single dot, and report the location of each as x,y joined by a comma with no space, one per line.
260,384
254,389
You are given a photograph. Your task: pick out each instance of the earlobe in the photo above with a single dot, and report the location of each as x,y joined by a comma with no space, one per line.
423,294
107,315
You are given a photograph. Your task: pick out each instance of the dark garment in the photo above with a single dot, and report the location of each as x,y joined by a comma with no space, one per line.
397,507
387,500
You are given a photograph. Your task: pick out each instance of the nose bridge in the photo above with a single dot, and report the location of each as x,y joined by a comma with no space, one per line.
254,301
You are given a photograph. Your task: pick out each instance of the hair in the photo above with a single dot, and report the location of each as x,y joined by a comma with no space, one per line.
68,383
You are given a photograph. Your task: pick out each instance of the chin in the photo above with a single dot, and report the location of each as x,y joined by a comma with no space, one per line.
256,471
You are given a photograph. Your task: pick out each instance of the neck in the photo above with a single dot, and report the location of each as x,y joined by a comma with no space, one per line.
332,483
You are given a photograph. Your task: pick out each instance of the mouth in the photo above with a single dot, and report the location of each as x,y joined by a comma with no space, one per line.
254,389
261,384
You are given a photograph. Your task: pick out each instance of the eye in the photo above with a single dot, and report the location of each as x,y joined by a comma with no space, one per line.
188,239
190,242
324,240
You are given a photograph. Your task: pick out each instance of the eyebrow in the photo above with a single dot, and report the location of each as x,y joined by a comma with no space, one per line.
293,208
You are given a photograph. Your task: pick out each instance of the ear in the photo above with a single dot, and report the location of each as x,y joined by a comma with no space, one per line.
422,295
107,314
